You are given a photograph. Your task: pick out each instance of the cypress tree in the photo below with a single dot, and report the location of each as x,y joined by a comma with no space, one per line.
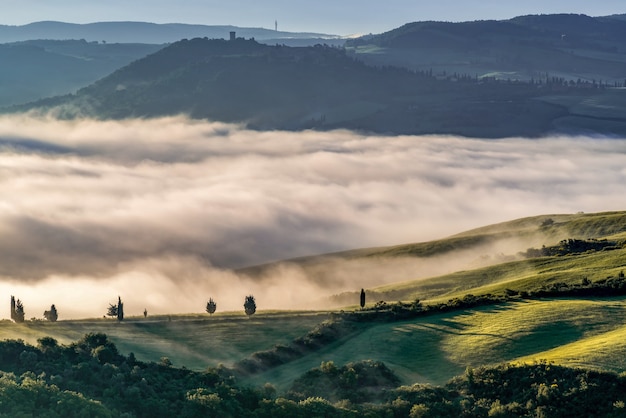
120,309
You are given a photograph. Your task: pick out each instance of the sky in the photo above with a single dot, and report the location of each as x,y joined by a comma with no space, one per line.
339,17
160,211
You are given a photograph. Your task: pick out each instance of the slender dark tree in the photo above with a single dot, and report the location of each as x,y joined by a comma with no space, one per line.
211,306
12,307
250,305
145,313
52,315
120,309
362,298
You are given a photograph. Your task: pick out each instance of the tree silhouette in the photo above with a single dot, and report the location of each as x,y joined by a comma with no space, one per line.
112,310
362,298
116,310
17,310
120,309
52,315
250,305
13,307
211,306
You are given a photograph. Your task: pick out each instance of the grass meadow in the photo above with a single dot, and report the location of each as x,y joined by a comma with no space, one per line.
573,332
584,332
193,341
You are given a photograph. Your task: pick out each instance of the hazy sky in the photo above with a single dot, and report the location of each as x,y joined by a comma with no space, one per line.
156,211
340,17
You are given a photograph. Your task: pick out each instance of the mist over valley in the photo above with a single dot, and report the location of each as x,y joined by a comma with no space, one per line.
166,208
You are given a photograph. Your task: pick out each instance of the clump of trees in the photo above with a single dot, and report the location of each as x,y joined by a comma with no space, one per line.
249,305
116,310
573,246
362,381
17,310
211,306
52,315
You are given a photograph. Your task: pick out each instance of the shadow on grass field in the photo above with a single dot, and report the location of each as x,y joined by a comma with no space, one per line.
195,341
433,349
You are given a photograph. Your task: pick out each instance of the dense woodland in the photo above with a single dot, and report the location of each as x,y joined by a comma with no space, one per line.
90,378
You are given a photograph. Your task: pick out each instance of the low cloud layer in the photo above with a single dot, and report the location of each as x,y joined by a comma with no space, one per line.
160,210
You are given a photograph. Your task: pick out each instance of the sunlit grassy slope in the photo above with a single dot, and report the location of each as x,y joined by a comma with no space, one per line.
195,342
520,274
526,230
505,238
575,332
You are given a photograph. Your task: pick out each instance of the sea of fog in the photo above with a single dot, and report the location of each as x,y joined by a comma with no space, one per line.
159,211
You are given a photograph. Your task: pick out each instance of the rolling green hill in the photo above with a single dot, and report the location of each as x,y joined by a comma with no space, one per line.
482,260
574,332
193,341
528,273
581,331
516,353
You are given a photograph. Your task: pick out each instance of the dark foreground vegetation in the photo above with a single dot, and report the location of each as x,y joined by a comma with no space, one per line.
90,378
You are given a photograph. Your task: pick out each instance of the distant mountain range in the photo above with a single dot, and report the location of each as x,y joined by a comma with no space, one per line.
32,70
529,76
140,32
526,47
44,59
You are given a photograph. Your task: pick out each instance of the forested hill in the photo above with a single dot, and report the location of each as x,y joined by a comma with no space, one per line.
548,30
575,47
325,87
242,81
245,81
